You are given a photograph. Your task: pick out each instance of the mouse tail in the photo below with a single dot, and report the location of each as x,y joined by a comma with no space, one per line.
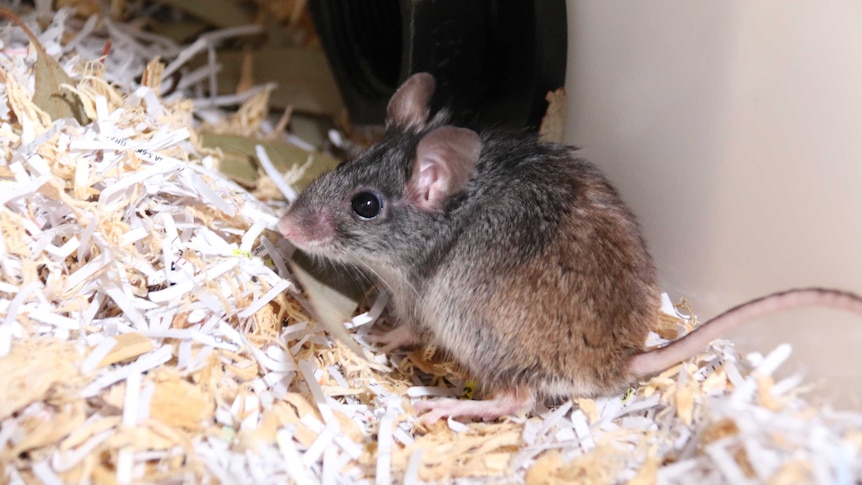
657,360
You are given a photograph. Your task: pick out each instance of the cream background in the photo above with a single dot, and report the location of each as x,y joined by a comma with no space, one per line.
734,129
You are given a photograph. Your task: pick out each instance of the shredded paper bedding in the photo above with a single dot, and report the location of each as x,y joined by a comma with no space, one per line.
150,331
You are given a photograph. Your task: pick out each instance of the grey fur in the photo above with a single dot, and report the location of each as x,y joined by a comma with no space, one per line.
534,275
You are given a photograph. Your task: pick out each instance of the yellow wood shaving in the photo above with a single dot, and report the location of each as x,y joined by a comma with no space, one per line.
129,345
38,370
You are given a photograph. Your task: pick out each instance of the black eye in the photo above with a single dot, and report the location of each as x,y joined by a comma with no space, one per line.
367,205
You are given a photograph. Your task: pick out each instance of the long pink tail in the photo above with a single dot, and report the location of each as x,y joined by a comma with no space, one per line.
654,361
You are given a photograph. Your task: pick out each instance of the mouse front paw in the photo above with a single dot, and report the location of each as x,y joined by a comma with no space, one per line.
402,336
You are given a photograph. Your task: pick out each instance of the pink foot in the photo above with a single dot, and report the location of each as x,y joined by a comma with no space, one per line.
506,404
396,338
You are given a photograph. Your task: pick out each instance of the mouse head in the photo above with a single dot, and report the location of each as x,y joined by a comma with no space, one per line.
388,205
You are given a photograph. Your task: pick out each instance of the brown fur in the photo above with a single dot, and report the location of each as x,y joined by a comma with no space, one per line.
563,322
514,256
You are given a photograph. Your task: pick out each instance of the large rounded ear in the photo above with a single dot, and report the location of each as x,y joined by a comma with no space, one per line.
445,160
408,107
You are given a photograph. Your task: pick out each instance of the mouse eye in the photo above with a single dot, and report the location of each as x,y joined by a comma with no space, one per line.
367,205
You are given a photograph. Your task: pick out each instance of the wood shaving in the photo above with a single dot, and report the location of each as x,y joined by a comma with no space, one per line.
148,333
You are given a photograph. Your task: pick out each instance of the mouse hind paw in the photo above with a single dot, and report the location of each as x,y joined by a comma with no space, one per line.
505,404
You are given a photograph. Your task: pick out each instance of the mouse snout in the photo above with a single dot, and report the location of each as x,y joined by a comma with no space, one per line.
306,230
287,228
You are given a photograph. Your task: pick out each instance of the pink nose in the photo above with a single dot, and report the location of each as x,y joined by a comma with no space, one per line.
302,227
286,227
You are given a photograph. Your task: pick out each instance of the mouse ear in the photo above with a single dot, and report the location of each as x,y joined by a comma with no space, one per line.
408,107
445,159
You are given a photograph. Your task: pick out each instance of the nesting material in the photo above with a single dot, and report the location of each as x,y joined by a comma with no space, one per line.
148,333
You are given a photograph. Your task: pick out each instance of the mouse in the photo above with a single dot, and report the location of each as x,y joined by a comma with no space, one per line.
517,258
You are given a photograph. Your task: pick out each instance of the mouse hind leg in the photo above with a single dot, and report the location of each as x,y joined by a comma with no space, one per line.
506,403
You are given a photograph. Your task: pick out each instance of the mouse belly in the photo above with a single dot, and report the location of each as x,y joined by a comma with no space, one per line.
514,380
556,335
504,354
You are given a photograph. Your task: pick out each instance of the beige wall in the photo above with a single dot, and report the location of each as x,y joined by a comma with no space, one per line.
734,129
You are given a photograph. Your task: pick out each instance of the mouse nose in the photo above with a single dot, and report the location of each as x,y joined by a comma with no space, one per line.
305,227
287,228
